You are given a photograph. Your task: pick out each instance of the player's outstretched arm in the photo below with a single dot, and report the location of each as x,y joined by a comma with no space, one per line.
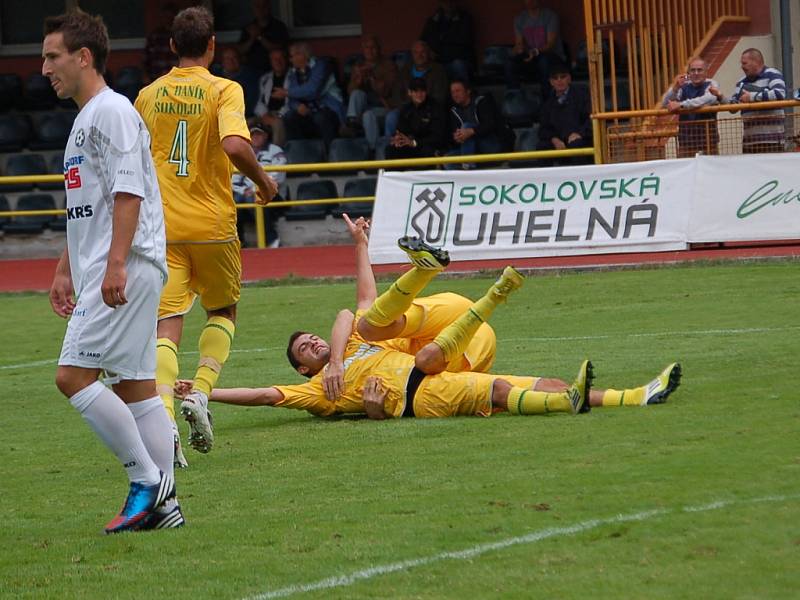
62,294
366,290
243,158
333,373
269,396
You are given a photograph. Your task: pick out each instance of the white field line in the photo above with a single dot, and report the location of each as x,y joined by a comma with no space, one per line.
700,332
531,538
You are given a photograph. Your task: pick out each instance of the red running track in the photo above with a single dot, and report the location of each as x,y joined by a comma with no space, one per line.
337,261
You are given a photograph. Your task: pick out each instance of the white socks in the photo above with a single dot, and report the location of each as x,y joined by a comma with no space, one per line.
110,419
155,427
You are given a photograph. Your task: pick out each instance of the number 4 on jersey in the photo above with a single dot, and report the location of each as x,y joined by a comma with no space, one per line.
179,154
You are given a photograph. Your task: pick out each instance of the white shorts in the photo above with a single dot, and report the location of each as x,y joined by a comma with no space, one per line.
122,340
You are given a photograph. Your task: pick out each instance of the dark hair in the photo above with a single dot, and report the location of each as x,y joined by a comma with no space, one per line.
558,68
82,30
191,31
464,82
289,354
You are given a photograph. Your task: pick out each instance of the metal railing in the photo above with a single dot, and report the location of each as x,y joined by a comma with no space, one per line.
260,217
631,136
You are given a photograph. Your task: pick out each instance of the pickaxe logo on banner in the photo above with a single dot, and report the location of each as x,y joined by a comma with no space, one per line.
430,208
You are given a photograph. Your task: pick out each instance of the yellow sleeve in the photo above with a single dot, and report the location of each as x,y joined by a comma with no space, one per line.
306,396
230,116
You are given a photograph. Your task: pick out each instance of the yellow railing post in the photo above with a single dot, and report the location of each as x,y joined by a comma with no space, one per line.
261,233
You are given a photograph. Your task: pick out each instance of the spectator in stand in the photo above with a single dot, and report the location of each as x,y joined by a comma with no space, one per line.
315,100
565,120
374,89
244,189
450,34
421,125
271,105
233,69
433,73
476,124
537,43
158,56
261,35
763,129
697,132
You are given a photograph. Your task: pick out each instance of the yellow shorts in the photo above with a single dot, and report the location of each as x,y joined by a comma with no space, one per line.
439,311
456,394
212,271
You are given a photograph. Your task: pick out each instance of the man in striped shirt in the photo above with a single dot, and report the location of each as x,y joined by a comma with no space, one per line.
763,129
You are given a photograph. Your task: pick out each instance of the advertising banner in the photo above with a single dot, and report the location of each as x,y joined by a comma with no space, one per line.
749,197
511,213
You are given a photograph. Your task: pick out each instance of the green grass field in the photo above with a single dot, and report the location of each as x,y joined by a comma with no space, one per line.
697,498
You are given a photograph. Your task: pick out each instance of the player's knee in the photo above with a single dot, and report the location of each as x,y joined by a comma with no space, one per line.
549,384
375,333
430,360
69,383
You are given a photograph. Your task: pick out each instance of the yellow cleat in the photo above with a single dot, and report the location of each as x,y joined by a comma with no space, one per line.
510,280
580,388
662,386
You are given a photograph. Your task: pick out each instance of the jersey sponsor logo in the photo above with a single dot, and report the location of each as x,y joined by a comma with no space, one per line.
89,354
73,178
79,212
80,138
364,351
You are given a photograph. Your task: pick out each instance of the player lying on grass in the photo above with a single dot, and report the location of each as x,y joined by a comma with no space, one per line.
406,390
401,320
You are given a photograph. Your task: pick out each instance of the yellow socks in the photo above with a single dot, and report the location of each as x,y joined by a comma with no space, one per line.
215,346
629,397
166,373
391,304
523,401
454,339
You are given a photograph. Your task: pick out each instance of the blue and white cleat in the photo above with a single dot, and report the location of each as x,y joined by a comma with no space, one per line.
141,501
166,516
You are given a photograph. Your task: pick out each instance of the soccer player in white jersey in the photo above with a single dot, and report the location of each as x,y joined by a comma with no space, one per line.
109,278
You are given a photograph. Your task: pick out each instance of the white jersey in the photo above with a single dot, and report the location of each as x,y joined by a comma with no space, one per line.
271,155
108,151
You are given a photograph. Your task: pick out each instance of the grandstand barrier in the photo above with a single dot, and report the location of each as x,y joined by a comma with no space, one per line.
632,136
260,217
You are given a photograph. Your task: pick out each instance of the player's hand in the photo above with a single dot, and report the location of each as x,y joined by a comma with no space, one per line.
358,230
113,286
333,380
266,193
374,398
182,388
62,295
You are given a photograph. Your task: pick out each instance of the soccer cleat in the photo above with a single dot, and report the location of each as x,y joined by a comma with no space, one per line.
662,386
141,501
422,255
194,409
510,280
166,516
580,388
179,460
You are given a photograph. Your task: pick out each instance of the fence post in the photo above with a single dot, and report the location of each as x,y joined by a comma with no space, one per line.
261,234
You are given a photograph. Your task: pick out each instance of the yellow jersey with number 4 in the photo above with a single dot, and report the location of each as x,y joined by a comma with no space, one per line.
189,112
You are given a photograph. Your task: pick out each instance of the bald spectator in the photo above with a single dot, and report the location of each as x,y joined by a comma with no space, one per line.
537,44
421,66
697,132
375,88
450,34
315,100
763,129
261,35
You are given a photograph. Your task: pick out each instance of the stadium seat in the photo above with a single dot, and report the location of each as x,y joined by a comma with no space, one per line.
527,139
15,132
38,94
32,223
361,186
492,68
519,108
10,91
315,189
304,151
4,207
58,222
52,130
380,147
23,164
128,82
348,149
55,166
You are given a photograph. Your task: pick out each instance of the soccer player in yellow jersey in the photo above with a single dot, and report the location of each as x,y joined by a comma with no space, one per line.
199,133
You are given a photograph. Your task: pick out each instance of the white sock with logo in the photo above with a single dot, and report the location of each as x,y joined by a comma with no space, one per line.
110,419
155,427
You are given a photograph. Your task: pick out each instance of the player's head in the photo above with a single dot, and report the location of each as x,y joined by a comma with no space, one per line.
260,136
75,48
307,353
193,34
